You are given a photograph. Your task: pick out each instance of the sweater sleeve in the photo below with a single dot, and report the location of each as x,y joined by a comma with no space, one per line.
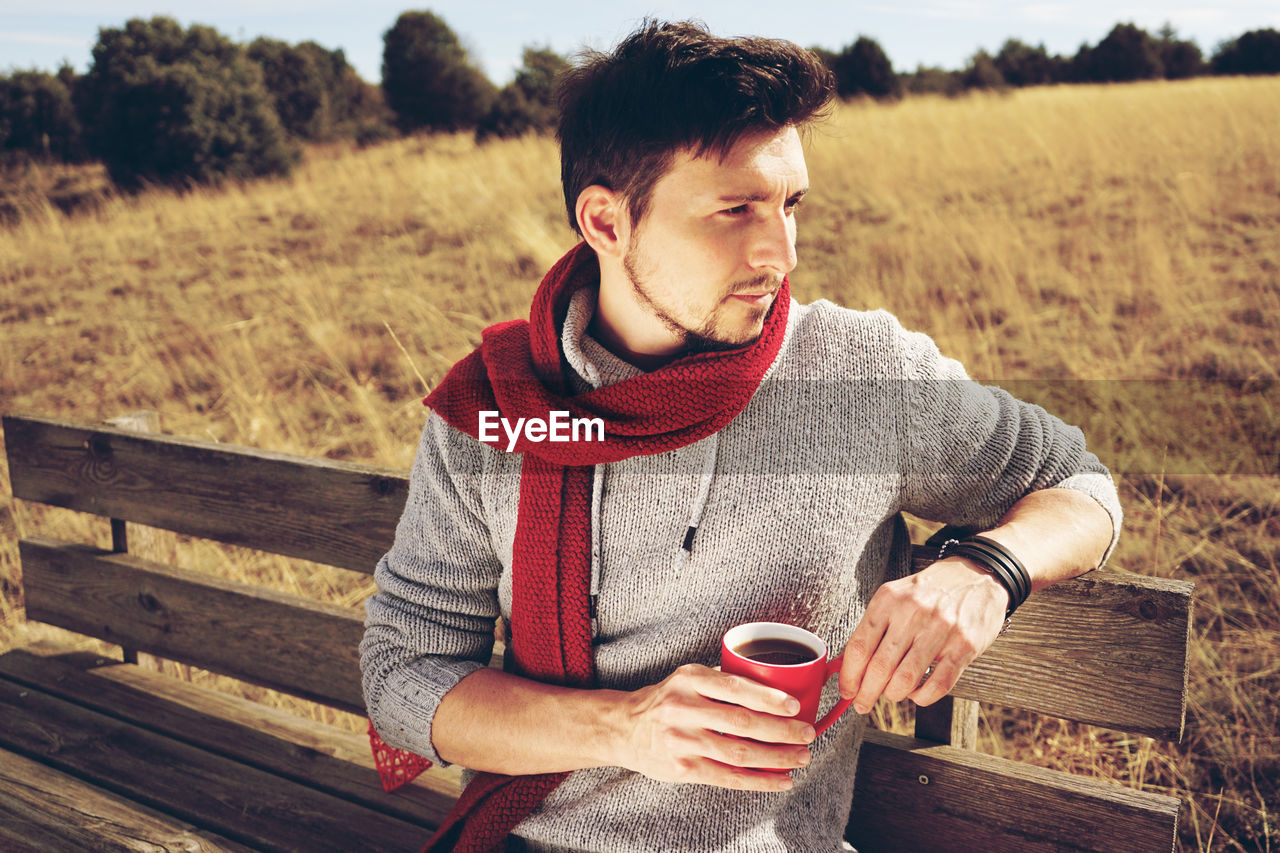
971,451
430,623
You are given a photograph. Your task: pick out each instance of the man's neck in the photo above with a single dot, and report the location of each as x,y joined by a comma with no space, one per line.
618,324
608,338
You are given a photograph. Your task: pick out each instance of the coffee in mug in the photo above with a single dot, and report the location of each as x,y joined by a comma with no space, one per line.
786,657
777,651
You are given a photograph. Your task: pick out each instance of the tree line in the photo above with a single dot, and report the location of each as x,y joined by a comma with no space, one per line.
1127,53
163,104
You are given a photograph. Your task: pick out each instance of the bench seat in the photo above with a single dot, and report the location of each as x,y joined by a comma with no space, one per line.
102,755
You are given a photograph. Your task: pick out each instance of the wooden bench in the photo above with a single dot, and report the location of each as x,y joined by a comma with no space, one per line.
109,754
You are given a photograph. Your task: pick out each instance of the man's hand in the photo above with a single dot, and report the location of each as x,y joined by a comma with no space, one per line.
952,611
944,616
702,725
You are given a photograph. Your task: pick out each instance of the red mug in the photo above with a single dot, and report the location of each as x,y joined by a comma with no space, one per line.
786,657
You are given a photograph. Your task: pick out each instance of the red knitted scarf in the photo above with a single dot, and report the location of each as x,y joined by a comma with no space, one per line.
519,371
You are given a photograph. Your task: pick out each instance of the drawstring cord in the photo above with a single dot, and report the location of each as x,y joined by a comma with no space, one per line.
704,490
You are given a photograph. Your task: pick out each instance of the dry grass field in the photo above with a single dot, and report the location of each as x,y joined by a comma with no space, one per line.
1112,252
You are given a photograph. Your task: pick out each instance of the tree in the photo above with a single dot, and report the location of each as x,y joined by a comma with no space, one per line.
1127,53
536,79
862,68
927,80
168,105
1079,68
509,115
1254,52
428,78
1022,65
528,103
37,116
297,86
1181,59
318,95
828,57
981,73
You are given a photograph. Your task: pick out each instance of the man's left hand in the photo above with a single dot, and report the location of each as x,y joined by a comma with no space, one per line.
944,616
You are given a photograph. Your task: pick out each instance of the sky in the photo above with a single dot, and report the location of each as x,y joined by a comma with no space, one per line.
43,34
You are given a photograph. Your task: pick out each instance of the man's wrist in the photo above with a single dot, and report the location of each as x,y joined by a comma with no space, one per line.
609,714
995,558
963,567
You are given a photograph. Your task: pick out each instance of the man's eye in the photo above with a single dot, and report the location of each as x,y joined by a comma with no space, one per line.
792,205
735,211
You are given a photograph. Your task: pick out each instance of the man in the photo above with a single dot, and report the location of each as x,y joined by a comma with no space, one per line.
754,459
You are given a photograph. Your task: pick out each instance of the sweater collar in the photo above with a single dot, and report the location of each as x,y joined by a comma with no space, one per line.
593,365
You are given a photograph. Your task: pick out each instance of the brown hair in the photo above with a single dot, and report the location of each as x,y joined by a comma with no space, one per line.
673,86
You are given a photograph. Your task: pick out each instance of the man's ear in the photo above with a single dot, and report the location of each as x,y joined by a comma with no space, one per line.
602,219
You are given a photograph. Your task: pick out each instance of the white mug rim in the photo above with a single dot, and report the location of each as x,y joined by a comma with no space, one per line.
748,631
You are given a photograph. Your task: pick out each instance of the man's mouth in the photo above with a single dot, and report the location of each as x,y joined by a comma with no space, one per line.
759,290
761,298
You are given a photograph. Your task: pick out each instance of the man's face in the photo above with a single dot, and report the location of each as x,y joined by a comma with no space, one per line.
706,262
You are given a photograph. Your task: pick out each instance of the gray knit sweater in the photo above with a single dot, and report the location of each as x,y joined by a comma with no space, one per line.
795,507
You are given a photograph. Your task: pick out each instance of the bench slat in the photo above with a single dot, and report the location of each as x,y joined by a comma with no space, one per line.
305,647
1108,648
910,795
337,513
269,739
42,809
246,804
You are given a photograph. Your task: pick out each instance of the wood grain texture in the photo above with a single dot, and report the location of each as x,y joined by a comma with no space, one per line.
139,539
949,720
305,647
330,512
245,804
912,795
276,741
46,810
1107,648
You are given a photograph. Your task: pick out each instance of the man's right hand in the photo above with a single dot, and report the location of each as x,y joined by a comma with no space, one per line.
705,726
697,725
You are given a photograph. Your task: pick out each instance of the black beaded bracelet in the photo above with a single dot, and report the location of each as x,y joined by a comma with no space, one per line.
1003,565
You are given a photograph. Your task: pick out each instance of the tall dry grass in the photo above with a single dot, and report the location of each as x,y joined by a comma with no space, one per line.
1111,252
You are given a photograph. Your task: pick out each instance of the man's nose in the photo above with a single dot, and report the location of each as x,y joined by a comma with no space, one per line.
773,243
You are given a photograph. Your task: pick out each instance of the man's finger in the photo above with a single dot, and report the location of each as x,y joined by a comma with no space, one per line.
951,661
911,669
858,653
754,755
743,691
883,664
941,679
708,771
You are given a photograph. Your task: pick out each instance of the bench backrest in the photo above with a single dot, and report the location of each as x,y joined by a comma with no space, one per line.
1109,649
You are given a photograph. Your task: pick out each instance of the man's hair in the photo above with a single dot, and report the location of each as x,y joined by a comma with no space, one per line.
671,87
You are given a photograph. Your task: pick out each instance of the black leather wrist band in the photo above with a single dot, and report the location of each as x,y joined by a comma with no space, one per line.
1005,556
1003,565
